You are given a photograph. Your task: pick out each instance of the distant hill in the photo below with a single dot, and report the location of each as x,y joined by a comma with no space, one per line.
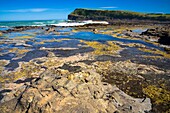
116,15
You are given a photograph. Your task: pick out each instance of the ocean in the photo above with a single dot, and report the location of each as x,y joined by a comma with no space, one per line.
4,24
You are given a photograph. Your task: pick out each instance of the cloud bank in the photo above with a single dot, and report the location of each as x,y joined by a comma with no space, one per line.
27,10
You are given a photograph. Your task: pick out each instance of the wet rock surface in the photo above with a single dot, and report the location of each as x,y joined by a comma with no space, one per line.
46,72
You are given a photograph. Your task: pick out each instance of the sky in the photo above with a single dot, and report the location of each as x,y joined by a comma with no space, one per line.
59,9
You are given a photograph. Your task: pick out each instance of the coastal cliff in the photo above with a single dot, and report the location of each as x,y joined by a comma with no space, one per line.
117,16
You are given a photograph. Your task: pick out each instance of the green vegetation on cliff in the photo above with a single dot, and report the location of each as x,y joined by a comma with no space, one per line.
80,14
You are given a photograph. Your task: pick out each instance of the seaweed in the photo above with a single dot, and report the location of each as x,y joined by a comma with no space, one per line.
103,49
159,96
155,51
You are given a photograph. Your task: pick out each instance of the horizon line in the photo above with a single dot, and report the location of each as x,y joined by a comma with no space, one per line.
32,20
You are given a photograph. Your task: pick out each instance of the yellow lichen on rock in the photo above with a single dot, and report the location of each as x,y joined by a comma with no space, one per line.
103,67
29,69
113,46
42,42
159,96
18,51
26,37
155,51
63,39
152,57
71,77
103,49
22,51
2,64
1,33
51,62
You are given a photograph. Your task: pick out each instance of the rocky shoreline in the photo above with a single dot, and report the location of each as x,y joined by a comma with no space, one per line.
70,92
58,73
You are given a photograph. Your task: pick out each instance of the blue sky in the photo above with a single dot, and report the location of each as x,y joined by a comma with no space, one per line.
59,9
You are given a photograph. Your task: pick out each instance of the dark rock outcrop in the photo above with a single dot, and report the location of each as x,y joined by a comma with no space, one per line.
162,33
20,28
165,40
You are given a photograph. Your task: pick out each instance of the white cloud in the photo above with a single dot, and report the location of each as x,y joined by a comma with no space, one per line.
109,7
27,10
39,10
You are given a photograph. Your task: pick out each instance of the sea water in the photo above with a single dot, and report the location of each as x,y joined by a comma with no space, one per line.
4,24
90,36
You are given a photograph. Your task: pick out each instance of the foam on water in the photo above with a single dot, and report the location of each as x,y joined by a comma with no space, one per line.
48,22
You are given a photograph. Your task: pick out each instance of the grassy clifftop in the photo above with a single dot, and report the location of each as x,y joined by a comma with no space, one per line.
81,14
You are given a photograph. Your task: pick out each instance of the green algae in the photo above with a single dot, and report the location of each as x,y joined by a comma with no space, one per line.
127,81
24,37
27,70
52,63
1,34
160,97
103,49
2,77
18,51
155,51
4,109
152,57
2,64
